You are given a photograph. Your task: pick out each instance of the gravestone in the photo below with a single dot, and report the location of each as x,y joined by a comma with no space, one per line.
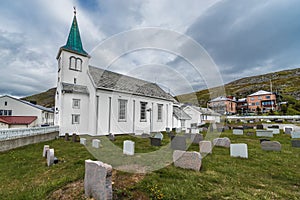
111,137
264,133
98,180
239,150
168,130
74,138
155,141
204,129
187,131
250,133
187,160
96,143
274,129
178,130
171,134
205,147
50,157
236,131
67,137
263,139
270,146
196,138
288,129
295,134
222,142
178,143
83,141
159,136
46,148
128,147
259,126
296,143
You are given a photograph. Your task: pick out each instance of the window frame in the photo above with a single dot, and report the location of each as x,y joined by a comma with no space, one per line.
143,111
74,117
122,117
75,63
160,112
73,103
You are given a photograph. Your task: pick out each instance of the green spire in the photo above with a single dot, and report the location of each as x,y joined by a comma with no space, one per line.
74,41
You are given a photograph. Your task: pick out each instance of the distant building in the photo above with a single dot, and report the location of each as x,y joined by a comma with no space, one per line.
263,100
180,118
19,112
223,105
242,106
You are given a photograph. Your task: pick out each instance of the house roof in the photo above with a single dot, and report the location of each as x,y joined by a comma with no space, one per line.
74,88
74,43
18,120
260,92
180,114
205,111
221,98
31,104
105,79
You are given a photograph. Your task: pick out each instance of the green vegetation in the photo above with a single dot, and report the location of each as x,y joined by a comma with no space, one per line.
265,175
46,99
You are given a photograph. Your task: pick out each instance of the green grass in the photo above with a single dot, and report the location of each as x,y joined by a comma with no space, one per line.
264,175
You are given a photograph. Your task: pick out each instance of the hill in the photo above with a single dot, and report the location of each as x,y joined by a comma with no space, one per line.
285,83
46,99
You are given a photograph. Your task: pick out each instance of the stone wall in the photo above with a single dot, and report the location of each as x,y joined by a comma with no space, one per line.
19,142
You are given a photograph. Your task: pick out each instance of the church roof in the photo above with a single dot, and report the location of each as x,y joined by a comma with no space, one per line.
74,43
105,79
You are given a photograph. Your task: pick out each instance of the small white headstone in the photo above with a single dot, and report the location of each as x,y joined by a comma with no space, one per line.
239,150
128,147
238,132
159,135
96,143
264,133
46,148
194,130
50,157
83,141
275,130
295,134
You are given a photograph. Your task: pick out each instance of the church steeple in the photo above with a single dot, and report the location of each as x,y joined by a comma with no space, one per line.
74,43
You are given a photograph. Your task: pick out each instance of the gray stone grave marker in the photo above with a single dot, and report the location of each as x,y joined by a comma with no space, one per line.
205,147
222,142
96,143
46,148
83,141
178,143
296,143
98,180
264,133
159,136
196,138
67,137
295,134
187,160
270,146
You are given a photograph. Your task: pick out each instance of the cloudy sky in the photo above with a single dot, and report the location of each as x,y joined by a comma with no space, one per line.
235,39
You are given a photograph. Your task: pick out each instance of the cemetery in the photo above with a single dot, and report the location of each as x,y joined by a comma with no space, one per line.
204,167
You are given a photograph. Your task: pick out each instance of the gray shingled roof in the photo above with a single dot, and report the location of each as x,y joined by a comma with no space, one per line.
73,88
180,114
105,79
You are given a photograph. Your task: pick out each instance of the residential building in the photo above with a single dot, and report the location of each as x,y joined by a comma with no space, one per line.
242,106
23,111
180,118
262,100
91,100
7,122
223,105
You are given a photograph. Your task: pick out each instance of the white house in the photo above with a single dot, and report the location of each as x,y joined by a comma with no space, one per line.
200,115
10,106
180,118
94,101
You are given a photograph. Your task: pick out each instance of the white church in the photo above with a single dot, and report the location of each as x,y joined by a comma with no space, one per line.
91,100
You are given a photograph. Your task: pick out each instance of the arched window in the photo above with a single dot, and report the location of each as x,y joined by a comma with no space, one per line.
72,62
75,63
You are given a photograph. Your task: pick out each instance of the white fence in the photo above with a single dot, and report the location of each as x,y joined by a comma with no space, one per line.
25,132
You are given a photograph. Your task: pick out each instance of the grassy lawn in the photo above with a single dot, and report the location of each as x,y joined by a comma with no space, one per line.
265,175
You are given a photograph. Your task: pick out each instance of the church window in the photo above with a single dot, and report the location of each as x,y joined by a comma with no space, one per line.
122,109
72,62
75,80
143,115
76,103
75,119
5,103
159,112
75,63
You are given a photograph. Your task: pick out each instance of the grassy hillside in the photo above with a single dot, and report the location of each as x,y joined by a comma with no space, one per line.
46,98
286,83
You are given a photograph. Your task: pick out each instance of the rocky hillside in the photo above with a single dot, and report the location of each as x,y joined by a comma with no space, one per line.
285,83
46,98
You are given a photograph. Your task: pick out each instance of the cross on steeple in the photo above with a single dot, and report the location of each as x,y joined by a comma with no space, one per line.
74,10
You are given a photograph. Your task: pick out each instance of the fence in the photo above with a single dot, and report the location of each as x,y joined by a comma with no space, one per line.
25,132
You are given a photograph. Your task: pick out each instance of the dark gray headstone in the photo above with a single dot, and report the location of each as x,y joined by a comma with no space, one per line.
271,146
196,138
111,137
67,137
155,141
74,138
288,130
222,142
296,143
259,126
178,143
